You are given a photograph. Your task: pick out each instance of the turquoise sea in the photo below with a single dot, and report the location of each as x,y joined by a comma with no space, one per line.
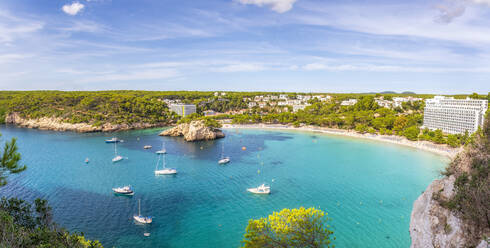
366,187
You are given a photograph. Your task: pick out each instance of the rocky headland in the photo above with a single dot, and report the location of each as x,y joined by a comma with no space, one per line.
57,124
454,211
194,131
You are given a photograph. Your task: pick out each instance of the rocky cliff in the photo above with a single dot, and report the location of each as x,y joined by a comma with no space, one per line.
432,225
194,131
57,124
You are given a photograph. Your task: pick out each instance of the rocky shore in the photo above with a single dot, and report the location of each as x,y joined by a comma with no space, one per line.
57,124
194,131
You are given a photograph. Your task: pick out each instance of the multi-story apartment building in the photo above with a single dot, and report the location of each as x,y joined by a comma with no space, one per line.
183,109
349,102
454,115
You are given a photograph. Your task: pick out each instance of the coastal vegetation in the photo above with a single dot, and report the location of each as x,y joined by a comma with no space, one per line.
151,107
472,191
26,225
290,228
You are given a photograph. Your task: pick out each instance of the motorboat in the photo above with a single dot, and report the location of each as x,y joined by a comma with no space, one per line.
125,190
224,160
113,140
147,147
262,189
142,219
87,160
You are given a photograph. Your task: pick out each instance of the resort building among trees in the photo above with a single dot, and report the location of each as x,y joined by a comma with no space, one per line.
183,109
454,116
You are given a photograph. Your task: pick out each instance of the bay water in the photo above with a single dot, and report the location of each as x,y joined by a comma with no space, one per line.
367,187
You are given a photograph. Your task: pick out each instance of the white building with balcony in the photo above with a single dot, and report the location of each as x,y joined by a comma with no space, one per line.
454,116
349,102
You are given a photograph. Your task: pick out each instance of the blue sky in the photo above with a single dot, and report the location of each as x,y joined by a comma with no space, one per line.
431,46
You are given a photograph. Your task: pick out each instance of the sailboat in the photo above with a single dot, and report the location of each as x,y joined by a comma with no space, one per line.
116,158
163,150
262,189
223,160
164,170
142,219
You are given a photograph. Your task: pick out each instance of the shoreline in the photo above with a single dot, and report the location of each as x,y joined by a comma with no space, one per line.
439,149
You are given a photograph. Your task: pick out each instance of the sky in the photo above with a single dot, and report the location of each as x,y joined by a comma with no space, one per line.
429,46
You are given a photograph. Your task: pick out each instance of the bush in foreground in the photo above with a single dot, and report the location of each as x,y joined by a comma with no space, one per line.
290,228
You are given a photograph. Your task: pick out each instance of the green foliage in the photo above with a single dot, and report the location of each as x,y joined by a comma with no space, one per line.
472,191
208,121
114,107
411,133
290,228
24,225
453,141
9,161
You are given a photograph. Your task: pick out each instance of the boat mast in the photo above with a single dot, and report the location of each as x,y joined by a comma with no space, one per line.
139,207
115,148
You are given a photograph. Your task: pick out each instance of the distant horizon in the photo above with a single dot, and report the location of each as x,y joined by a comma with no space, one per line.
259,91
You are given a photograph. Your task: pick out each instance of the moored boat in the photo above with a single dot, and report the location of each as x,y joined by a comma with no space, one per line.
125,190
262,189
142,219
113,140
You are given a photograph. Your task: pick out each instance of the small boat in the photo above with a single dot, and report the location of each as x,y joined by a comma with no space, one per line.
117,157
87,160
164,170
147,147
125,190
163,150
224,160
142,219
113,140
262,189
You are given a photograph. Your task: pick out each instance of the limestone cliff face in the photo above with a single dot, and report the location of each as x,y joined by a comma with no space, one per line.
57,124
194,131
433,226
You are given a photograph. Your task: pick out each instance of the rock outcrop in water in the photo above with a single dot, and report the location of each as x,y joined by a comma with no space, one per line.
194,131
57,124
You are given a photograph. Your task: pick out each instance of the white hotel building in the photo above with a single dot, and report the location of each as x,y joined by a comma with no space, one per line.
454,115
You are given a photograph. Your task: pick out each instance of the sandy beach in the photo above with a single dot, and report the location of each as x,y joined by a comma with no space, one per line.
440,149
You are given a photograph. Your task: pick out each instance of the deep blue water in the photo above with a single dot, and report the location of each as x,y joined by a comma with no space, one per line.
366,187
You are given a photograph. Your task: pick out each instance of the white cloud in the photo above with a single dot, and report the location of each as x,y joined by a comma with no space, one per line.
240,68
72,9
487,2
279,6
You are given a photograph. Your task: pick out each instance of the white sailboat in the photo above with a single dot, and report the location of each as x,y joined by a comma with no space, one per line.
263,189
223,160
164,170
116,158
163,150
142,219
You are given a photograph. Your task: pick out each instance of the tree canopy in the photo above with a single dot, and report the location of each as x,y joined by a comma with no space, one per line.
290,228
